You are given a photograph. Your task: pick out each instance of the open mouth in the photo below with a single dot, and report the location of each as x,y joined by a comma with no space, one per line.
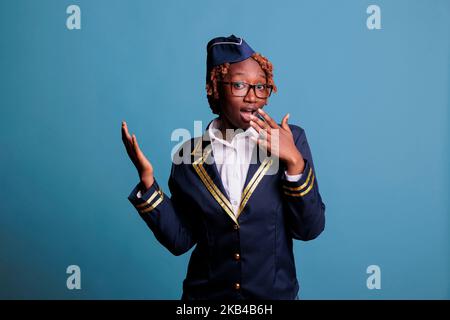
247,112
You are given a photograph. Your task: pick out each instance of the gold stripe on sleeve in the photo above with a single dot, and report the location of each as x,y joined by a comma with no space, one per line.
302,186
302,193
154,205
146,203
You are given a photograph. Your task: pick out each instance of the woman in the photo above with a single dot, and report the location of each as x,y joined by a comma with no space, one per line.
240,206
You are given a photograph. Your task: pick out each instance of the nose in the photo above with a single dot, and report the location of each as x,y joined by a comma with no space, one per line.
251,95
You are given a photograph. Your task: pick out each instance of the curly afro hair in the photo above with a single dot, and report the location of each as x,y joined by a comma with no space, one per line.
218,73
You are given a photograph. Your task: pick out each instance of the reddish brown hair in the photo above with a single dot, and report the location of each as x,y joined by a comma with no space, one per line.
219,72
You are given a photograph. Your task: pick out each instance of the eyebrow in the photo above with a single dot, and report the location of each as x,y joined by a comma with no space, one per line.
244,74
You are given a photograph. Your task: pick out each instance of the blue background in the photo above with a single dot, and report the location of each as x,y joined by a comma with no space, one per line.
374,104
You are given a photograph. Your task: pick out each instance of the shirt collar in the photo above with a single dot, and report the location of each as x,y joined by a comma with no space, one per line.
215,134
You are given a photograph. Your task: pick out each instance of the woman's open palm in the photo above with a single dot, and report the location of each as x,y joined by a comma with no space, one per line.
140,161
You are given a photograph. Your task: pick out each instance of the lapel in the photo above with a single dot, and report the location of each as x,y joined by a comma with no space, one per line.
205,167
256,171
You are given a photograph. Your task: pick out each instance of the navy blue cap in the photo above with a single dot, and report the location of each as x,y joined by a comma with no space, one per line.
226,49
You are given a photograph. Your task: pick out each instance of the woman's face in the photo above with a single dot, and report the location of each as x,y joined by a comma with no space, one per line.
236,111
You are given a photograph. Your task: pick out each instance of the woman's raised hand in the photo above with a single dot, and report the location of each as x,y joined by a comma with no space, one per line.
140,161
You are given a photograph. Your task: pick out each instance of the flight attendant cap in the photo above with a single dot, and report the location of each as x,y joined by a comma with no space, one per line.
226,49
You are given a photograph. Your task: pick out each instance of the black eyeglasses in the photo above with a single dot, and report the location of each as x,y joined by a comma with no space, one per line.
241,89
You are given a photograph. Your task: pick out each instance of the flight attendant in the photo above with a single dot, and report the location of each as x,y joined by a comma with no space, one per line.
240,207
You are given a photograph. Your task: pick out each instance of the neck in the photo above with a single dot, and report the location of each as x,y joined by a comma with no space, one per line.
223,125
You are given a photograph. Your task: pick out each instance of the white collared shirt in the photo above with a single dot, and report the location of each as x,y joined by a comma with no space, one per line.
232,160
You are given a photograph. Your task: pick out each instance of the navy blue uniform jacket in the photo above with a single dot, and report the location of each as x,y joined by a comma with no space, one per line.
248,256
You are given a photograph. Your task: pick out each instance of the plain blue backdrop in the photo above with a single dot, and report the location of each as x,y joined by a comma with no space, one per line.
374,104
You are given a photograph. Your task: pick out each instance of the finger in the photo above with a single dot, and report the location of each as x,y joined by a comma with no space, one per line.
274,142
136,148
284,123
268,119
263,135
126,138
256,126
263,144
127,141
125,130
136,151
264,140
261,123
